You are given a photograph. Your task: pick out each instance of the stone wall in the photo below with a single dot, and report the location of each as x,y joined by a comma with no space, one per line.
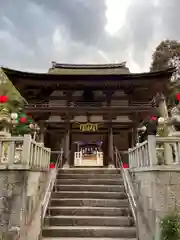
20,194
158,191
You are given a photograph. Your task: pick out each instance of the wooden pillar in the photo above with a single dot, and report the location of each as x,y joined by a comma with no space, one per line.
67,146
134,136
110,147
129,139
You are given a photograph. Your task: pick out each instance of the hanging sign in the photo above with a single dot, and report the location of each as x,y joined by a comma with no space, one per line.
89,127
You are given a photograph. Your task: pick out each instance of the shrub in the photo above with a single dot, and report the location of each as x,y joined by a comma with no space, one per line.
170,227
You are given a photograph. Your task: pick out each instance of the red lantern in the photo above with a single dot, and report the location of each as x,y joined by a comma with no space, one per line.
51,165
178,96
22,119
153,118
3,99
125,165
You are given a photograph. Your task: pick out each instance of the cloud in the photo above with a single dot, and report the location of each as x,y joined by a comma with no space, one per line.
35,24
35,32
84,20
169,10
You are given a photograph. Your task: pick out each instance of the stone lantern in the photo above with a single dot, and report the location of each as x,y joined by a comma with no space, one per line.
5,122
173,122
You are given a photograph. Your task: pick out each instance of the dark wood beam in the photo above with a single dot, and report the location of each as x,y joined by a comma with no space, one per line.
115,131
58,109
78,98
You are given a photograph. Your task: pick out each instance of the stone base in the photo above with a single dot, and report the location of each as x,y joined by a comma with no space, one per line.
66,166
174,134
4,134
111,166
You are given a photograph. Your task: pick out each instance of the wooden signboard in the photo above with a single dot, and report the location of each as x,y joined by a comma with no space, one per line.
89,127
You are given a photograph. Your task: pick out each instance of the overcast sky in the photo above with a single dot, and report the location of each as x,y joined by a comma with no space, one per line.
35,32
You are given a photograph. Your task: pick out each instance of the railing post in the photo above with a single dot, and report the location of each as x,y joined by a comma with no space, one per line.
152,150
26,150
130,157
11,153
168,155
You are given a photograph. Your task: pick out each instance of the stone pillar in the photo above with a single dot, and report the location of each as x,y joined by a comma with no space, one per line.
162,106
110,148
168,129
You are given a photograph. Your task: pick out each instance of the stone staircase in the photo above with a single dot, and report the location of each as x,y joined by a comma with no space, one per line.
88,204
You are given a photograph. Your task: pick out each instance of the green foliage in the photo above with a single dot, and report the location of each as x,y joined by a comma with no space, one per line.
22,128
170,227
167,54
15,104
15,100
164,52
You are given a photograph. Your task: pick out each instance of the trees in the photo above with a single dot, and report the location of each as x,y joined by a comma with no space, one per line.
14,104
15,100
167,54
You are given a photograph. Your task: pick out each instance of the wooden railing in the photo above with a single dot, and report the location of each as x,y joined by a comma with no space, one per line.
56,105
73,108
155,151
23,153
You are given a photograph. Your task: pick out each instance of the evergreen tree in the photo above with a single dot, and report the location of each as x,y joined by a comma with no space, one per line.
14,104
167,54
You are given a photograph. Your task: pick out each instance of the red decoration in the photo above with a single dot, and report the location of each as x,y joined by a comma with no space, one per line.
3,99
51,165
153,118
178,96
125,165
29,115
22,119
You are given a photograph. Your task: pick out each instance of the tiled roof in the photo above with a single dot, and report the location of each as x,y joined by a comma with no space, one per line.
88,66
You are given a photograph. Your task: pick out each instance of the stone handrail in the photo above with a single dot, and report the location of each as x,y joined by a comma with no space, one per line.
51,183
132,196
23,153
127,183
49,189
155,151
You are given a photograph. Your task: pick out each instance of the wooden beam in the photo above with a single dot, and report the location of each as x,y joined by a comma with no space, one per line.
60,131
58,109
113,122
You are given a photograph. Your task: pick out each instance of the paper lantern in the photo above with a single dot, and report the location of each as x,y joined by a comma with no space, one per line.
3,99
161,121
178,96
51,165
31,126
153,118
14,116
125,165
22,119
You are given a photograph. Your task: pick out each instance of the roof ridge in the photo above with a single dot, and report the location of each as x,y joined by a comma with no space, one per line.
89,66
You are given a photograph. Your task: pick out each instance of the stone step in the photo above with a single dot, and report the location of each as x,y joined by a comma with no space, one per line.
88,211
96,188
89,194
88,221
90,170
87,176
94,181
67,238
87,231
75,202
